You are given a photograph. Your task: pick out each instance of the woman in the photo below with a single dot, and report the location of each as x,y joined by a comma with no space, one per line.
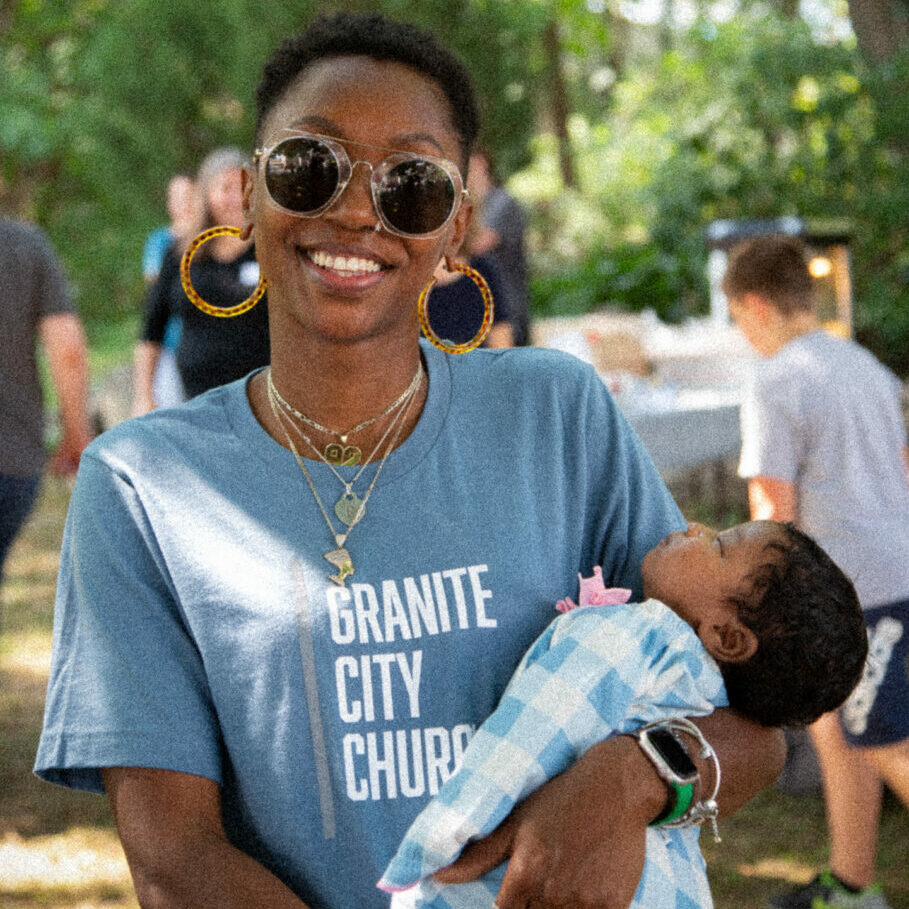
210,351
273,650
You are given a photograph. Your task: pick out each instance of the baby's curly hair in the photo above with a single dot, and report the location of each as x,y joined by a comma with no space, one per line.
372,35
812,640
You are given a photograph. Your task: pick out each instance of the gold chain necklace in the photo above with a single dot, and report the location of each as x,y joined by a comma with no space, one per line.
341,453
349,506
340,557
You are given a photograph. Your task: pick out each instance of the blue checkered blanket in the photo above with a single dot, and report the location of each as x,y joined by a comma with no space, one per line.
594,672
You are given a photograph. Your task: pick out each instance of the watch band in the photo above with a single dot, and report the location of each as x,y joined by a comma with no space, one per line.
664,749
661,743
683,795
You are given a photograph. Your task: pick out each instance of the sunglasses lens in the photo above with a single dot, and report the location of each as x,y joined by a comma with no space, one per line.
416,197
301,174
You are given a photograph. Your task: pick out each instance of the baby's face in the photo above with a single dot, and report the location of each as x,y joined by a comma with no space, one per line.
695,571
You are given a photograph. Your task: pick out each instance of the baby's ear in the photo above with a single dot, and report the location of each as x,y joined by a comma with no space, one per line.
729,641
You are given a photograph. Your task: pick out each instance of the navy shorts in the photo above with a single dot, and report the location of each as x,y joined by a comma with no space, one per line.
877,712
17,496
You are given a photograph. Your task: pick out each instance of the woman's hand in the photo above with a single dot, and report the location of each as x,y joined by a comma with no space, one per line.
578,841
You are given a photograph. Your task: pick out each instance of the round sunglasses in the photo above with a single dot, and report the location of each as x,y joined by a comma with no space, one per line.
414,195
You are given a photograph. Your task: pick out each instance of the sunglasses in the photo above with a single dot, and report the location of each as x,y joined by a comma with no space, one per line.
413,195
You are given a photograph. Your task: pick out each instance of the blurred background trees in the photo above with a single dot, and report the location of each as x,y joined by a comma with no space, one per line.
626,126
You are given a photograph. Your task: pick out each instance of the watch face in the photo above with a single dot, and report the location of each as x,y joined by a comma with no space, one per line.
672,752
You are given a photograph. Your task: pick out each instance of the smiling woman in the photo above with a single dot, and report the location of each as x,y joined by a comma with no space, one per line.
214,550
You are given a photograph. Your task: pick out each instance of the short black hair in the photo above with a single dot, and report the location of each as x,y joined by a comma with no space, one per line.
812,639
372,35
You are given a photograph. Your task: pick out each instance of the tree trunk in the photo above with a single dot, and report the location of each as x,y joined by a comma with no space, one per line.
881,27
558,100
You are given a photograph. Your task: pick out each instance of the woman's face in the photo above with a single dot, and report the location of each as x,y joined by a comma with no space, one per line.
225,197
334,275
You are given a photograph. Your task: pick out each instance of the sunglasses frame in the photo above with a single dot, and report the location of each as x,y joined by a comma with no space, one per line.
378,173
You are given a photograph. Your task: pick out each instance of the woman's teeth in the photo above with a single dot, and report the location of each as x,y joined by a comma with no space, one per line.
344,265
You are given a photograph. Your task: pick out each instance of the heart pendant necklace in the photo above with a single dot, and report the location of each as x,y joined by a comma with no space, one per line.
350,508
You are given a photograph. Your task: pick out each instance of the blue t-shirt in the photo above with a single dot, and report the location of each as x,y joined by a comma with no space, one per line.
156,245
196,629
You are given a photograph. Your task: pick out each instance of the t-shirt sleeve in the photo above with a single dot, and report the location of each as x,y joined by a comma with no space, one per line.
157,306
52,288
770,430
156,245
127,685
628,507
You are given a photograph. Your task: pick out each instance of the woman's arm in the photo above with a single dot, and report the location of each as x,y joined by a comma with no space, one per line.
579,839
158,308
178,854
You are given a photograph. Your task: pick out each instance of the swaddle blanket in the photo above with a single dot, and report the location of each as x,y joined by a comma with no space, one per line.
591,674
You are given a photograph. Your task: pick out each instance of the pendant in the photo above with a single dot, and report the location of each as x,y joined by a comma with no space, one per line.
340,558
343,455
350,508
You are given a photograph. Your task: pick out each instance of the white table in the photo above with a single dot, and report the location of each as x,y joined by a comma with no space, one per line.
700,429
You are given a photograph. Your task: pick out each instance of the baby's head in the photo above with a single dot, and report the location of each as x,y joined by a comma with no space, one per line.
780,618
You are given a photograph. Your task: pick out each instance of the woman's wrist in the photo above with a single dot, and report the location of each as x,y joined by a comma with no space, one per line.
638,791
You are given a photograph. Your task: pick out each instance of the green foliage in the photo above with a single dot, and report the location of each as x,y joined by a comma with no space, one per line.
630,276
748,119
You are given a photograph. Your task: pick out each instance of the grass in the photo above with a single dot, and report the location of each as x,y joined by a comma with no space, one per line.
59,849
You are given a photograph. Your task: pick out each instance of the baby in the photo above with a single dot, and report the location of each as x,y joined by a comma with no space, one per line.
757,617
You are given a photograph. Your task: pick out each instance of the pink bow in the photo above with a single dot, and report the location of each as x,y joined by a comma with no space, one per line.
592,592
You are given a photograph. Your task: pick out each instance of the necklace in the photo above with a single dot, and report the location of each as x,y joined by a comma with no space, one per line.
340,557
349,507
341,453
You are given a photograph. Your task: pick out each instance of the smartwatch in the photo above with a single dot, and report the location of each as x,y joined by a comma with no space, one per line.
674,766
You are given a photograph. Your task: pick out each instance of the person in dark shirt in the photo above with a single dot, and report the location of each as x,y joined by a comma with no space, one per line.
455,306
211,351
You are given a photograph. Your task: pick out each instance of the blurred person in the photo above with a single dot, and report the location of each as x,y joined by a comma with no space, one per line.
36,309
455,306
183,211
210,352
500,234
824,446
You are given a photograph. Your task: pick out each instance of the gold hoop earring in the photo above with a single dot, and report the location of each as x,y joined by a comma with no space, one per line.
224,312
488,310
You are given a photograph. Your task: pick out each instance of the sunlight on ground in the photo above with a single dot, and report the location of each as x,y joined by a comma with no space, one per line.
779,869
28,653
79,859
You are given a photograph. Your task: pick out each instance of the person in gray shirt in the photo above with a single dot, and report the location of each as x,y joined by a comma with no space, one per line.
35,309
824,446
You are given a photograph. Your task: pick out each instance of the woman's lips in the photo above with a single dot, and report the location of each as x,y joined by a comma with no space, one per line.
346,266
343,272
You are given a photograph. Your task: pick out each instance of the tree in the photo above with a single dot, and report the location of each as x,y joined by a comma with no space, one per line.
881,27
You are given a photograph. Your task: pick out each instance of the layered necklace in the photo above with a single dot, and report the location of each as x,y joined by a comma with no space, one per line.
350,507
341,453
